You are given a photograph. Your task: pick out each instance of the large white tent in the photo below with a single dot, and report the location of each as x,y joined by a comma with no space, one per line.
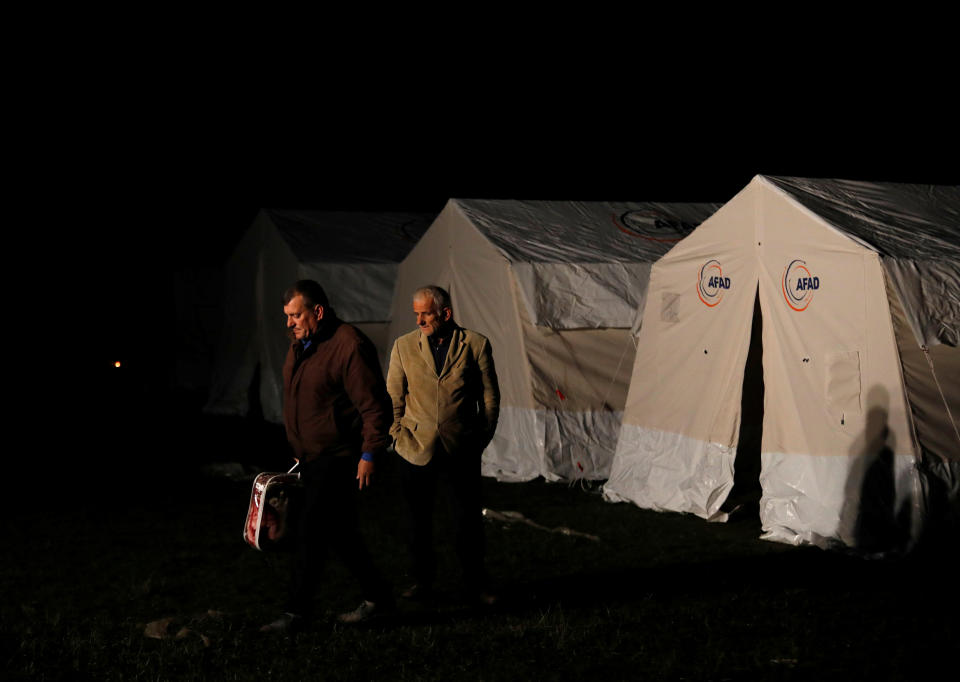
858,288
354,255
555,286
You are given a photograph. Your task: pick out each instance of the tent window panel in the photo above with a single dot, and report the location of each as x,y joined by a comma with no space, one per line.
670,307
843,382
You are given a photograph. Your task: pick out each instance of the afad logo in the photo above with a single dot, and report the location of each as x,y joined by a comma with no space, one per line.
652,225
712,283
799,285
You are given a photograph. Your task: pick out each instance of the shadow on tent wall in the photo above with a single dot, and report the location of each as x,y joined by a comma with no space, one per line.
744,498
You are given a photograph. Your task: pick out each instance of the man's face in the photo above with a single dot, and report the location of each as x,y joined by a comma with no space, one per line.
428,319
301,319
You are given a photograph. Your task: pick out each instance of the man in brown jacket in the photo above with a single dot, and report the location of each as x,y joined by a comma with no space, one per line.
446,402
335,408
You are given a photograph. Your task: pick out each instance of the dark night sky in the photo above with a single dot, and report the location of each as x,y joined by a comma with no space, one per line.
182,182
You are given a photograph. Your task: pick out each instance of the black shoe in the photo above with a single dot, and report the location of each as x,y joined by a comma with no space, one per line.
287,624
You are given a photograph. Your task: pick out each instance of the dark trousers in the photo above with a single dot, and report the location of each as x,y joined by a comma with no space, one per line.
458,475
328,521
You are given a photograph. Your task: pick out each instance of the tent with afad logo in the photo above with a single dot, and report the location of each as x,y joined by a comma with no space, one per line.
555,286
854,402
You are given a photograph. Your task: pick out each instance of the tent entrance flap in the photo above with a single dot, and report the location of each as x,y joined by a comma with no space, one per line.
744,497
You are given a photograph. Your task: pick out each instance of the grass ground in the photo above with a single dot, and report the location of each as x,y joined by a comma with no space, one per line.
85,575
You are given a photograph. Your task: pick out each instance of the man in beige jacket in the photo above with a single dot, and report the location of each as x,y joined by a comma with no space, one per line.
446,402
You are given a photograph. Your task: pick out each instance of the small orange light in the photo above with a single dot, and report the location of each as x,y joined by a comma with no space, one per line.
116,364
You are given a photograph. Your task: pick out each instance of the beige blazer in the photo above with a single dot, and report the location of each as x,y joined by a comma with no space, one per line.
459,408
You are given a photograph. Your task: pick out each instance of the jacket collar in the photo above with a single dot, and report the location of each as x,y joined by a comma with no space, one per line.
326,330
456,348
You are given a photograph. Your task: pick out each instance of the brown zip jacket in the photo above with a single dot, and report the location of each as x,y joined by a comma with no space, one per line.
334,398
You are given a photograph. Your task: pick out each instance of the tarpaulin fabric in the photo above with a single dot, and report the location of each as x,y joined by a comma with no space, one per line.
913,228
582,264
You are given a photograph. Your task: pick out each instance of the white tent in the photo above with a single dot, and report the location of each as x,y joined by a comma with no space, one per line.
857,287
353,255
555,286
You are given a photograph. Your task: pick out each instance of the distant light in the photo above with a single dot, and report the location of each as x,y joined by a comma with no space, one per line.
116,364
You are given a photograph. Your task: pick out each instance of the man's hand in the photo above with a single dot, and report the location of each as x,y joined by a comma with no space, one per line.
364,473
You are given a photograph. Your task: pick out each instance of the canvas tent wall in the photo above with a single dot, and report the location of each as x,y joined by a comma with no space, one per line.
354,256
857,288
555,286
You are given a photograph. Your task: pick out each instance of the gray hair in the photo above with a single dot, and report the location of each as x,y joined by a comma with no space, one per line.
440,297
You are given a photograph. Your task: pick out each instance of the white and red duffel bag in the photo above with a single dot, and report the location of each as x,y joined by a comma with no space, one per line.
271,516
